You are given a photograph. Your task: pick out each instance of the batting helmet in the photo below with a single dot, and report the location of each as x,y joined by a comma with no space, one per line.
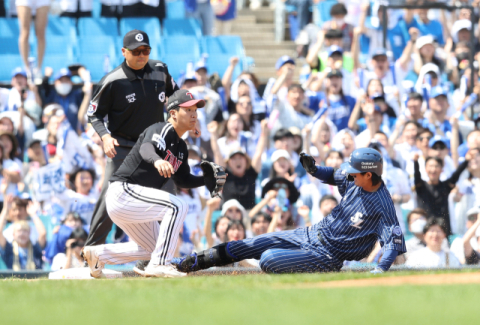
364,160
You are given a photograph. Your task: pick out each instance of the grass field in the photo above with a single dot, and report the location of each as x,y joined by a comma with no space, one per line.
243,299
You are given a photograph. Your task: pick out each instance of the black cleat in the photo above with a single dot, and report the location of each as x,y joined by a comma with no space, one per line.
140,267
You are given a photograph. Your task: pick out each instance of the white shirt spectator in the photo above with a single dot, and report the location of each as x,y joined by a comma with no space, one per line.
60,259
8,233
425,258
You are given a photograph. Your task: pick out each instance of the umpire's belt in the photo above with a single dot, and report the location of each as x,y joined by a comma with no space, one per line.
320,238
126,137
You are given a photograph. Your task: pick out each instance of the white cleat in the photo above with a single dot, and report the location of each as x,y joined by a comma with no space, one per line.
93,261
138,271
163,271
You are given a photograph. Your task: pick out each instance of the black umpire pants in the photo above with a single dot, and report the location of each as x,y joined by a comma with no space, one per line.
101,223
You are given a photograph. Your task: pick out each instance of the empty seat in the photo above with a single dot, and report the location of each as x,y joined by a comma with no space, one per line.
177,63
219,63
187,45
100,46
98,65
9,62
9,28
97,26
176,9
61,26
57,62
56,45
177,27
223,45
149,25
9,46
323,9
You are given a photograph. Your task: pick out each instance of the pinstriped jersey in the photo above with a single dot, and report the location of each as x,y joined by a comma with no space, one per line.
354,226
135,170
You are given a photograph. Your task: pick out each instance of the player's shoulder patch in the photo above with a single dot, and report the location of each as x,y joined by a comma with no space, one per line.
397,231
159,140
91,109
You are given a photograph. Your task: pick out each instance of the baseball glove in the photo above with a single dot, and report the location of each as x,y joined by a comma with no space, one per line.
308,163
214,176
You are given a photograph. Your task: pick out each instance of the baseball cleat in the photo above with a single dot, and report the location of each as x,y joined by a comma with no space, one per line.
140,267
163,271
93,261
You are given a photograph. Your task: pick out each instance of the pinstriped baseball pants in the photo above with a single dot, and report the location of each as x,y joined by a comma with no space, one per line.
137,210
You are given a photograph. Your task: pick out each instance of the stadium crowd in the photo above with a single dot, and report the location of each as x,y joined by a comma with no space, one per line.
411,101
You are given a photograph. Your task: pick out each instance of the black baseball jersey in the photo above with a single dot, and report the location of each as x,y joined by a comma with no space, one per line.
165,144
132,99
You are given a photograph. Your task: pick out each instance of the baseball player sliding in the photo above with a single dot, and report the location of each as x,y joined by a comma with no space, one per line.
365,214
135,201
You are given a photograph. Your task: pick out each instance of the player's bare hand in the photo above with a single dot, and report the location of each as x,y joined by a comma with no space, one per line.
164,168
214,203
109,145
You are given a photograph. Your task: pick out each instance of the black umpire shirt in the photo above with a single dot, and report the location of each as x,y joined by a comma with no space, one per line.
158,141
132,99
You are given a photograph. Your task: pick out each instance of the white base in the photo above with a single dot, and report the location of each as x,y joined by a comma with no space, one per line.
81,273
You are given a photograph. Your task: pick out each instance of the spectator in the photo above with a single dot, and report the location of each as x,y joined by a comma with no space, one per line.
425,53
23,93
49,133
327,204
282,167
466,248
74,102
76,8
203,11
235,231
73,247
233,210
25,11
344,142
426,26
416,220
338,12
277,89
433,256
282,196
225,13
373,120
438,122
61,234
468,194
431,195
302,9
414,107
260,223
233,137
409,137
220,227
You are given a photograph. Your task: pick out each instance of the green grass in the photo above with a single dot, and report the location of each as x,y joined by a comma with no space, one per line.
246,299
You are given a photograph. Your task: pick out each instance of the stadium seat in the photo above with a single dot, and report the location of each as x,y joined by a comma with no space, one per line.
98,27
178,27
57,62
223,45
9,62
187,45
219,63
9,28
323,9
176,9
56,45
149,25
96,64
177,63
100,46
61,26
9,46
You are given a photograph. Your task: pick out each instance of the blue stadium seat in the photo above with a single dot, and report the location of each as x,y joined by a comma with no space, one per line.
219,63
178,27
56,45
100,46
9,28
323,9
177,63
9,62
61,26
176,9
223,45
9,46
96,65
187,45
57,62
98,26
149,25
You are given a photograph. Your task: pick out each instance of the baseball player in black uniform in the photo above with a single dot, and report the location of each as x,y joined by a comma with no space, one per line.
135,201
132,96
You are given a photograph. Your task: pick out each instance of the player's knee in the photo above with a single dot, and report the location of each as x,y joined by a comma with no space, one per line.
266,261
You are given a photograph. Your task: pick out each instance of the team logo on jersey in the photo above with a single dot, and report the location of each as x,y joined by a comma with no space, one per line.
357,220
180,155
397,231
139,37
159,140
91,109
170,157
131,98
161,97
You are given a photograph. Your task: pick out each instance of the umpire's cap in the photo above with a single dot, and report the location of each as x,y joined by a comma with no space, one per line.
364,160
135,38
183,98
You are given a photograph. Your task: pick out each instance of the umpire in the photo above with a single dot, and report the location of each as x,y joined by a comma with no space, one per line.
133,96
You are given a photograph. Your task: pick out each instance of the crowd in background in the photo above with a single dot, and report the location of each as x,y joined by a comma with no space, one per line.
411,101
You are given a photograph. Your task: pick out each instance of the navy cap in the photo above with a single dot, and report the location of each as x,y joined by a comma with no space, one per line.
379,52
19,71
335,73
284,60
183,98
377,96
438,138
437,91
64,72
134,39
334,49
364,160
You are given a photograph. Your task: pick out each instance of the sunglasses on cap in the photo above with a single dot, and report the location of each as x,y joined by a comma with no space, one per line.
472,217
425,137
280,185
137,52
